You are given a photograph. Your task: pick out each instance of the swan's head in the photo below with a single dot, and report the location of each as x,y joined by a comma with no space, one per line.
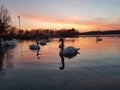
61,39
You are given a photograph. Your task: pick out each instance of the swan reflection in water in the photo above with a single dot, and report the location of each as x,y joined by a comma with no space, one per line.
38,54
69,56
1,61
6,59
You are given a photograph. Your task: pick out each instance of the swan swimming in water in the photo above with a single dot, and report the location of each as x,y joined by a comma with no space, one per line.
9,42
98,38
35,46
68,50
43,42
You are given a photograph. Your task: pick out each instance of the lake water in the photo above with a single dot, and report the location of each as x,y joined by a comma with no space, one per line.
97,67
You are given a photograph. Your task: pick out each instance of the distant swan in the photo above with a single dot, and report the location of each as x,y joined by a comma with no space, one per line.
98,39
9,42
35,46
68,50
43,42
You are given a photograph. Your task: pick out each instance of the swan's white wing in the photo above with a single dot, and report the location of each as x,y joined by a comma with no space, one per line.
70,50
33,46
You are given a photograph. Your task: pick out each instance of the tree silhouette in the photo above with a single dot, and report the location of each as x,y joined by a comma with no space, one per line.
4,20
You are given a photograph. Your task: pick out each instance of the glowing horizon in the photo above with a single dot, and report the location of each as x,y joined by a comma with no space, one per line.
83,15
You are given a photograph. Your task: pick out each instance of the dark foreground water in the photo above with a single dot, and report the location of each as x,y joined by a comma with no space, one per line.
97,67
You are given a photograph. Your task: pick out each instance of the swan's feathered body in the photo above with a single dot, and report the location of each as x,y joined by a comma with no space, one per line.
68,50
35,46
9,42
43,42
98,39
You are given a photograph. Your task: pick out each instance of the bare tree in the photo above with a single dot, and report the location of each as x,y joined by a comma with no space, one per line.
4,20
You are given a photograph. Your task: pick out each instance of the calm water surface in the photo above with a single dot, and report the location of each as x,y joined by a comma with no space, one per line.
97,67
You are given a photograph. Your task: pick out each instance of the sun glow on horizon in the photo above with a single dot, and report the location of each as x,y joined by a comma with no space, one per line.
57,24
83,15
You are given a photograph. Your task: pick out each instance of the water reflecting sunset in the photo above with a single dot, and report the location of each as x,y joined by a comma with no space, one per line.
96,66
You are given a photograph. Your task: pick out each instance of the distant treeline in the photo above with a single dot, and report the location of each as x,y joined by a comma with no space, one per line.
47,33
110,32
38,33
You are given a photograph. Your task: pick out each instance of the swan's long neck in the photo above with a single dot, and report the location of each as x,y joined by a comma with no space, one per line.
62,45
37,42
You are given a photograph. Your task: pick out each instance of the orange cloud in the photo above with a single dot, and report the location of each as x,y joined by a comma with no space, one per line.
76,22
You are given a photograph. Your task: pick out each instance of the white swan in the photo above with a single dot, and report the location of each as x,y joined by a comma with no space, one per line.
9,42
99,39
68,50
43,42
35,46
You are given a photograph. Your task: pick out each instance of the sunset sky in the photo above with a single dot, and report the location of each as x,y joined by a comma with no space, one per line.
84,15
